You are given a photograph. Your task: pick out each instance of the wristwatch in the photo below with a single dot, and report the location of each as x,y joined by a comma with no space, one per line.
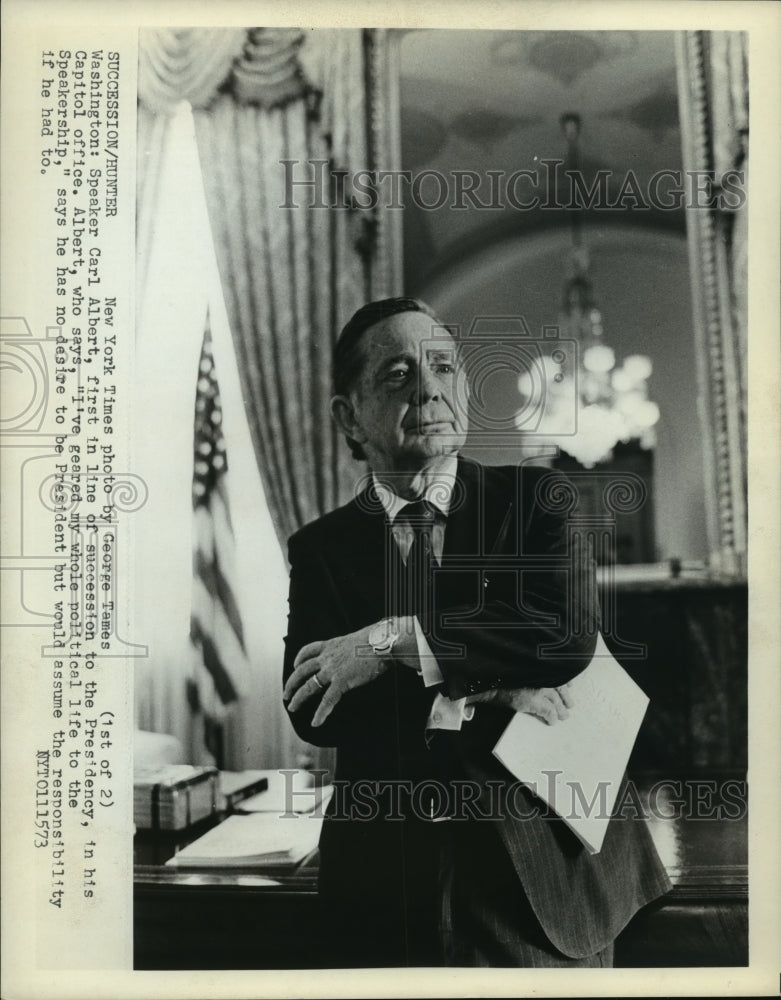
382,637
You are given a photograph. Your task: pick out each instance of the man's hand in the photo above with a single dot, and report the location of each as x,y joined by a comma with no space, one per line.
548,704
329,668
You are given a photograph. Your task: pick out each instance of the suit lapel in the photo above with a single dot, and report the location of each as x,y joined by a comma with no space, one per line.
481,515
364,552
480,523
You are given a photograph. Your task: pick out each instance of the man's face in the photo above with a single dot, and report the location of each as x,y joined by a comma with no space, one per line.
409,405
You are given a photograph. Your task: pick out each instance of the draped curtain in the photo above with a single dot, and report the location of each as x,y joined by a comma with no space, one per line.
291,277
288,280
178,285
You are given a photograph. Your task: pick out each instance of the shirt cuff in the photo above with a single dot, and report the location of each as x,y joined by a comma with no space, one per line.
447,714
429,668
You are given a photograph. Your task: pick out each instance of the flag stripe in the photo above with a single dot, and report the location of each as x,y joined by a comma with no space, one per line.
211,660
216,630
213,621
208,572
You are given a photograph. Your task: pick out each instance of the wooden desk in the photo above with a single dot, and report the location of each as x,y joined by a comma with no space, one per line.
703,921
271,920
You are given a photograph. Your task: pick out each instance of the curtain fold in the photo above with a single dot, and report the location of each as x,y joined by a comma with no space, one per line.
181,283
185,64
291,276
171,310
284,282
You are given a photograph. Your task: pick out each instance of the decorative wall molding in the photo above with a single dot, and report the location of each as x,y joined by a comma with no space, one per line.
717,333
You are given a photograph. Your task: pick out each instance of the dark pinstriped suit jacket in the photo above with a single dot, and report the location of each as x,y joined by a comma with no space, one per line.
338,584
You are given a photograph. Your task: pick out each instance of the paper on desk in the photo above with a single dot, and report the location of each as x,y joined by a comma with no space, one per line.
252,841
269,802
288,793
576,766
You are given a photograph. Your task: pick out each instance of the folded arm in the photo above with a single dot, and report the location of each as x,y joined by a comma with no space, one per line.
353,683
514,650
536,629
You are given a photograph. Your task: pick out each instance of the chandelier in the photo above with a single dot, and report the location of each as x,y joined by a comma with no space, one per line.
610,400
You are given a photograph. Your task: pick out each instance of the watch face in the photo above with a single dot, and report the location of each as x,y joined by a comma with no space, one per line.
380,635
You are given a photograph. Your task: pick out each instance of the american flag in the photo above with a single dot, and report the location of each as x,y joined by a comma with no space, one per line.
216,633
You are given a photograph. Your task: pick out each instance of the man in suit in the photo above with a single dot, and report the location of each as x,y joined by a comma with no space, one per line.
443,598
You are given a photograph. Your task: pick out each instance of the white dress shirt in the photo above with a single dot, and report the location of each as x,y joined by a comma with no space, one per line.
445,713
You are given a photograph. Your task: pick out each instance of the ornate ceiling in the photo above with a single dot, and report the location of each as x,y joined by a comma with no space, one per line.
492,100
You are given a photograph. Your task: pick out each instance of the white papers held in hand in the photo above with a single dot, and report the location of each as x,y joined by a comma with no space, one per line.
576,765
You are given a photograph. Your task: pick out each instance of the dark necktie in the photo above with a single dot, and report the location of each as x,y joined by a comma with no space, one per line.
421,561
420,516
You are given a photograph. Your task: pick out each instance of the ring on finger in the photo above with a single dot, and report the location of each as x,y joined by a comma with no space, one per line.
317,681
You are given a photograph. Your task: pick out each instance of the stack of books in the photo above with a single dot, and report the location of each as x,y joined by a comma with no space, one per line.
237,786
173,796
287,792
